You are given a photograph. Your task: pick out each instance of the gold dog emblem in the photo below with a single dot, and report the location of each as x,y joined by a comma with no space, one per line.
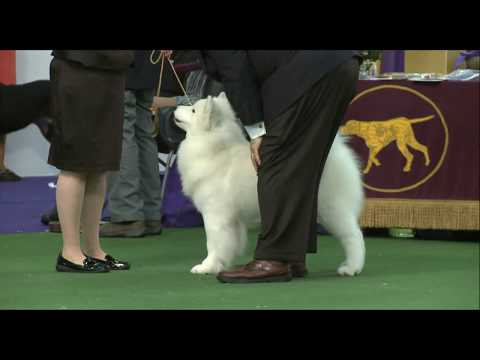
379,134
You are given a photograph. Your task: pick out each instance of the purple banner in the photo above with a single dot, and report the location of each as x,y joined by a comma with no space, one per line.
417,140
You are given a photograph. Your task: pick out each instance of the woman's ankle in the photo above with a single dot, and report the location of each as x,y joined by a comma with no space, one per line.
96,253
74,256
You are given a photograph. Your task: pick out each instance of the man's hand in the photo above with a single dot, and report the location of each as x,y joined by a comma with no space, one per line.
255,153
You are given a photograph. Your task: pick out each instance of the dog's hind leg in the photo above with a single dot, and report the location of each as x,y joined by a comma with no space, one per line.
402,147
422,148
344,227
222,243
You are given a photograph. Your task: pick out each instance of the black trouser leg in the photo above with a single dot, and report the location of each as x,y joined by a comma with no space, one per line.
293,155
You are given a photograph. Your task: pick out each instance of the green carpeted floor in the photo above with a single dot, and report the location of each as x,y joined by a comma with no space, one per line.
399,274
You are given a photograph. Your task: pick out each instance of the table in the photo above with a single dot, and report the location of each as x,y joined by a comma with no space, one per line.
418,144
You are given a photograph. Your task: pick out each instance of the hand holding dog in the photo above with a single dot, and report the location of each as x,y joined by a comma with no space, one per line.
255,152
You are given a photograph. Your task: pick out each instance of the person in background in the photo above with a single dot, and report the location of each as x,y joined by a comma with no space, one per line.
87,108
134,198
197,86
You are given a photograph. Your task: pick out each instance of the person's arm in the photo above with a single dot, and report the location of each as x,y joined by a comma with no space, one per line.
163,102
160,102
233,69
256,130
256,133
184,100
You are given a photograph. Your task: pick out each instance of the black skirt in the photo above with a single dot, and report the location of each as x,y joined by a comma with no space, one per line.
87,110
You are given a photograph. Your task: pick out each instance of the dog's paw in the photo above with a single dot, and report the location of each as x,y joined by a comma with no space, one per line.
207,269
199,269
347,269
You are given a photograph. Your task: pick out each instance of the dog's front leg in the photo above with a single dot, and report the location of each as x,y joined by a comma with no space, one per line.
222,243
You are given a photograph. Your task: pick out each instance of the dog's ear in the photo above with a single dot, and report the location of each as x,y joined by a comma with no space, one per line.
207,110
222,95
207,113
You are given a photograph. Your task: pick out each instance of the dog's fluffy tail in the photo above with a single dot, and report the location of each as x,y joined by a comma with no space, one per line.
420,120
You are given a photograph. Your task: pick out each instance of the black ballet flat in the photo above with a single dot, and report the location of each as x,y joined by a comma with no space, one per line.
90,265
113,264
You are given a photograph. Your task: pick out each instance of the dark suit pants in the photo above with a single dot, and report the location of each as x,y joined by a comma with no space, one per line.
293,155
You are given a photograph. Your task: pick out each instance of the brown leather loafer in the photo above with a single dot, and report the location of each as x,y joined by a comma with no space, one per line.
298,269
257,271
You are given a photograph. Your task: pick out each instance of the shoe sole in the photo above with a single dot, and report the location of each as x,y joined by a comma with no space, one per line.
282,278
61,268
296,273
114,269
129,233
299,274
153,232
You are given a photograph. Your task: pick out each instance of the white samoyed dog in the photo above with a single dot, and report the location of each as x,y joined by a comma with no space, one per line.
217,174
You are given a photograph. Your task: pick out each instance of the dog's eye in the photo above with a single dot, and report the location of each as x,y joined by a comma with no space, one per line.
193,111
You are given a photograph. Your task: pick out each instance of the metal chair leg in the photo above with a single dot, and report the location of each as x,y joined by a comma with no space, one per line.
168,165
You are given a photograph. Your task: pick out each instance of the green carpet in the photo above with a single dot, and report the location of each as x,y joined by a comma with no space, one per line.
399,274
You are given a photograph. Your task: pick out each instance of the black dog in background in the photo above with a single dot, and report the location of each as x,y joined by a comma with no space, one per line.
22,105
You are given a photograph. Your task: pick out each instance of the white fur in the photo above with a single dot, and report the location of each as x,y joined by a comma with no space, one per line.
217,174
